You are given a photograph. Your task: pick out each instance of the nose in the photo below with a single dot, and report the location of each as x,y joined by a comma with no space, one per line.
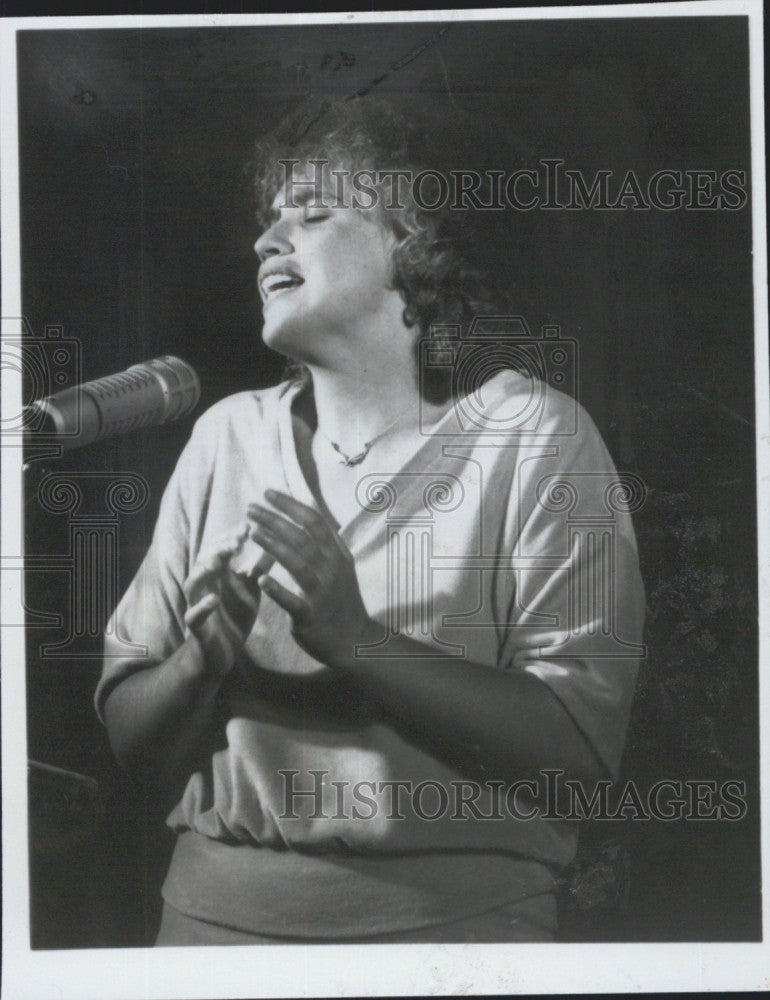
273,241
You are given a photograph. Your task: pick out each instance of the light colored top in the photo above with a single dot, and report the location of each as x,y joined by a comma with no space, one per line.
504,539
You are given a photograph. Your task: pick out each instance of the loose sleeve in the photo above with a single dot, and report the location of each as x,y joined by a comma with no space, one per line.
576,616
148,623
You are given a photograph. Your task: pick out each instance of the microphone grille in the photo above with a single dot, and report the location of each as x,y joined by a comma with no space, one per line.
178,382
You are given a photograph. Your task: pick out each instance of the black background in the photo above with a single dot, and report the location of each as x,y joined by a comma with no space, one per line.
137,237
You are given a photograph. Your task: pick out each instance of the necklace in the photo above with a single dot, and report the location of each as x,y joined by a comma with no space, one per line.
361,455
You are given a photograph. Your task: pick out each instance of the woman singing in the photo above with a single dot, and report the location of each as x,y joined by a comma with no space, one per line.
374,615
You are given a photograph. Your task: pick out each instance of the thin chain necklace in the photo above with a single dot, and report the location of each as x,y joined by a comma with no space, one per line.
361,455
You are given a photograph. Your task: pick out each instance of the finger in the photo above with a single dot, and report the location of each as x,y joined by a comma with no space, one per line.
340,546
287,531
226,547
225,636
289,558
203,577
240,602
295,606
264,564
198,613
243,589
305,516
250,561
210,565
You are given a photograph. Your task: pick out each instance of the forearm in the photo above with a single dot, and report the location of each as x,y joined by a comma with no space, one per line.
503,725
158,718
495,723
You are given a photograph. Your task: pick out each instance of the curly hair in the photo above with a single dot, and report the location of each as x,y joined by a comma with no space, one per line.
450,263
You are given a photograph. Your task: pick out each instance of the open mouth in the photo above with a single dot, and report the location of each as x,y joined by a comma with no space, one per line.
279,281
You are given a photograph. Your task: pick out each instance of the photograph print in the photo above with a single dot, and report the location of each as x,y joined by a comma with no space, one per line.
385,562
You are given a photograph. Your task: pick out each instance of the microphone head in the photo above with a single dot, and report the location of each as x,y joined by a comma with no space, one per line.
178,381
152,392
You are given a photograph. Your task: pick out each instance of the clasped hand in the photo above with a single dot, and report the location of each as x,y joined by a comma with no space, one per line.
222,603
329,617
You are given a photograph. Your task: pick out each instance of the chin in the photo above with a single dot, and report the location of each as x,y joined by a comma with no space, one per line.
281,337
291,343
292,337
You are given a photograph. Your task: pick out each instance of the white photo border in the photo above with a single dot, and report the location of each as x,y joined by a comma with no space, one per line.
339,970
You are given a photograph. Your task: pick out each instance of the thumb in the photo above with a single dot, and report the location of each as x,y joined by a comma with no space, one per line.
196,615
264,564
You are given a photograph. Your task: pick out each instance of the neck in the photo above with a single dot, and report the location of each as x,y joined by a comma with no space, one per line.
353,410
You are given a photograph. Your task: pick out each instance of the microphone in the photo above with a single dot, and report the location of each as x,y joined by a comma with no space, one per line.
150,393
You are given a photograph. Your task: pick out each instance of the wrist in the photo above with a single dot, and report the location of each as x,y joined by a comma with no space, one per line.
368,633
194,665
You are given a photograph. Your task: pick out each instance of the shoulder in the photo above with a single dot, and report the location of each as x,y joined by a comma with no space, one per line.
240,415
228,431
229,441
526,407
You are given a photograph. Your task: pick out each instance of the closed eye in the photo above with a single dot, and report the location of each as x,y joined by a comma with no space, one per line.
316,218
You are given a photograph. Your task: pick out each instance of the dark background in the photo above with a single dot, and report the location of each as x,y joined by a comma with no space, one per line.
137,237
